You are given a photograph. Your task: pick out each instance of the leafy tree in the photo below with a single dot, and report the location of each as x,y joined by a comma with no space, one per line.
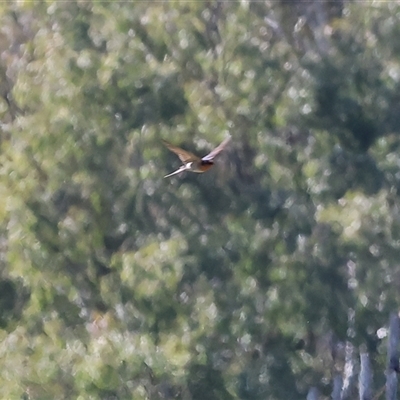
242,283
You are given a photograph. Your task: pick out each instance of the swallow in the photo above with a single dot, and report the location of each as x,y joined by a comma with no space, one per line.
193,163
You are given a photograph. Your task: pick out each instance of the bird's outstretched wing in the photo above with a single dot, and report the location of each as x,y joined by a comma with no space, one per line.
210,156
184,156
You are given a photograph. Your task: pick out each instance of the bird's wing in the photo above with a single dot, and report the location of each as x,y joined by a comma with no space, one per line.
184,156
217,150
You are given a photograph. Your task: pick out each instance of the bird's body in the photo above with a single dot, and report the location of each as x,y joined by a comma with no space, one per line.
193,163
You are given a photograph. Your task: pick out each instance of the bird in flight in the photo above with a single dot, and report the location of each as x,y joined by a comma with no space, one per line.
193,163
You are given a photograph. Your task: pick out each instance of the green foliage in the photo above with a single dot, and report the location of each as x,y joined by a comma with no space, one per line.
235,284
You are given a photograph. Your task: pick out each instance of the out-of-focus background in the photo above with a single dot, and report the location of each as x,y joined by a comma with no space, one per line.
247,282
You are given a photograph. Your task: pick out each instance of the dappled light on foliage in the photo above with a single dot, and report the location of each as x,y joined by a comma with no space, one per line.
251,281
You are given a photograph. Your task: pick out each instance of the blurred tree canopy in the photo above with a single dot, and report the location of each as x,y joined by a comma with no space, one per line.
242,283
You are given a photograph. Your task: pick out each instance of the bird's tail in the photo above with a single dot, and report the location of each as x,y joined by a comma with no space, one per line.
178,171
